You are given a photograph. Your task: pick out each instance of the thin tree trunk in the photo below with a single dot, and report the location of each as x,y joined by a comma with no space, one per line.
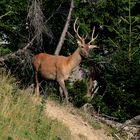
130,33
62,38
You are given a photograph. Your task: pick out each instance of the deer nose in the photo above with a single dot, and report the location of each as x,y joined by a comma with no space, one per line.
96,46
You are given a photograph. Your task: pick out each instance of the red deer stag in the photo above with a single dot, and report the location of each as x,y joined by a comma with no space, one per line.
59,68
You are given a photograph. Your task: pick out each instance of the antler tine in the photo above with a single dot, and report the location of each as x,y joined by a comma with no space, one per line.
76,30
93,32
92,39
84,37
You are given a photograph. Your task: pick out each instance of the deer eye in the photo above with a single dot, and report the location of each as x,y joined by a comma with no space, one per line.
82,46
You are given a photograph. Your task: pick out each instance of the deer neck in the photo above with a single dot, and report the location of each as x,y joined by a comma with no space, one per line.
75,59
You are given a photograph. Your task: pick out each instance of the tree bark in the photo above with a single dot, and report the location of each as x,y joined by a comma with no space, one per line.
62,38
130,127
133,121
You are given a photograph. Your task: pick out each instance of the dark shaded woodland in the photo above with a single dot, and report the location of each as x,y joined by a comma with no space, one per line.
117,24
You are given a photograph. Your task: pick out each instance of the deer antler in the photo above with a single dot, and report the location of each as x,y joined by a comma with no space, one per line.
93,39
76,30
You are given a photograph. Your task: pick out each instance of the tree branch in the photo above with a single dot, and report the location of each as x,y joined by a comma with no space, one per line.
5,14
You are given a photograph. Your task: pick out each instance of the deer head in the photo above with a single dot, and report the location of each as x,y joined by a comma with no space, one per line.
84,47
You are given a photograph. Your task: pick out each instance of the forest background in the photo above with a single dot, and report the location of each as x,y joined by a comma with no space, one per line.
118,24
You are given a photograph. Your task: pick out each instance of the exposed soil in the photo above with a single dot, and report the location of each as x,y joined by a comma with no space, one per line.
80,130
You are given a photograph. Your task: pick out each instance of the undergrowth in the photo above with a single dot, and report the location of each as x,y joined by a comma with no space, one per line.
22,115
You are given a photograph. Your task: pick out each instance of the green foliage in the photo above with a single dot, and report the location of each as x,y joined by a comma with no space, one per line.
123,88
118,25
12,26
122,98
119,34
77,93
4,50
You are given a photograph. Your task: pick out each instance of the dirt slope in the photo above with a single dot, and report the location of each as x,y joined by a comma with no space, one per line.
80,130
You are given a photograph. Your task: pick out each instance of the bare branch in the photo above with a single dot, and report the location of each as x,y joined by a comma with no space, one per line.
15,54
5,14
117,137
53,13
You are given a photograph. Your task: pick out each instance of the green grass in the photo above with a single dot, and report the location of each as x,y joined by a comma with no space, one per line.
22,115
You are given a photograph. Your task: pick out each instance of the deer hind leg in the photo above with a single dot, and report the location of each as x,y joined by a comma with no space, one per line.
65,92
36,84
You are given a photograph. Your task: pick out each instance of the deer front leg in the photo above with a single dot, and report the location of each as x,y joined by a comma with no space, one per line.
64,90
36,84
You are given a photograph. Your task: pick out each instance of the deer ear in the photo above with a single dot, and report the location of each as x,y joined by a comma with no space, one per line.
92,46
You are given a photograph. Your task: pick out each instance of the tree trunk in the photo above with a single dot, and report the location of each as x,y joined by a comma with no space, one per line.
62,38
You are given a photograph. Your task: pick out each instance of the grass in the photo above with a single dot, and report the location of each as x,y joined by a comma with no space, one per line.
22,115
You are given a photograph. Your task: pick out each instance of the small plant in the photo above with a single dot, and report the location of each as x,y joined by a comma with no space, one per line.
82,137
77,93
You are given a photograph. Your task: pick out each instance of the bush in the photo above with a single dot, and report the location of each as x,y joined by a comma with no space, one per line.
77,93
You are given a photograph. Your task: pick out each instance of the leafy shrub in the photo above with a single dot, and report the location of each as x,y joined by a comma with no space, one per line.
77,93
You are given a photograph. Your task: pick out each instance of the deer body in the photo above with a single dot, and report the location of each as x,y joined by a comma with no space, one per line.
55,67
59,68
